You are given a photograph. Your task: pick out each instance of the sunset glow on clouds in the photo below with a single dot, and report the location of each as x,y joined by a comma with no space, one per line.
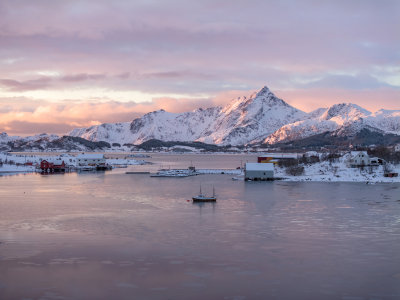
66,64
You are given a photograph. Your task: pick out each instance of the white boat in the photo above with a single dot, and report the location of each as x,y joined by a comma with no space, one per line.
204,198
175,173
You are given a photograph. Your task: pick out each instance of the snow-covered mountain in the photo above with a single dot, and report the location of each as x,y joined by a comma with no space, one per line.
243,120
246,120
258,118
38,138
319,121
385,120
44,142
344,119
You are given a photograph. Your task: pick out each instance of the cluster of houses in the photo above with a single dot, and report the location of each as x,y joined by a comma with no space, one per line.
81,162
358,159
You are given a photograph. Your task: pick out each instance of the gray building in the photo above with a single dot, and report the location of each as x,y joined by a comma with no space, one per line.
90,159
259,171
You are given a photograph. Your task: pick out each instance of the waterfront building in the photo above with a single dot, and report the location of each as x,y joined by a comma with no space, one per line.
259,171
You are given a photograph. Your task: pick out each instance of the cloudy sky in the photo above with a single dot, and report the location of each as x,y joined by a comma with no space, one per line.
67,64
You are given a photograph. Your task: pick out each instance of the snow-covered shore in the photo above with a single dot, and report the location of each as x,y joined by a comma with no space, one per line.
339,172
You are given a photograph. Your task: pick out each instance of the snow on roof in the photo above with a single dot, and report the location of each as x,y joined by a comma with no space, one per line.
54,160
355,153
90,156
311,153
259,166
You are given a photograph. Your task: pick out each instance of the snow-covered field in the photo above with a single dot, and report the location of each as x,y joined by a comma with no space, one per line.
16,163
339,172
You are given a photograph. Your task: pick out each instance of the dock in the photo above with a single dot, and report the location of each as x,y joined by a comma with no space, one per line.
137,172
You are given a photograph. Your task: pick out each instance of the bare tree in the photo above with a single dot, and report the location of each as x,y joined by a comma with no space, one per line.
295,170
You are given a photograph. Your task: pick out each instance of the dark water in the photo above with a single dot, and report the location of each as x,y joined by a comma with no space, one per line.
116,236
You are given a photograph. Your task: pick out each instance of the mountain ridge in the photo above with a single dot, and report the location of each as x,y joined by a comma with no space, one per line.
260,118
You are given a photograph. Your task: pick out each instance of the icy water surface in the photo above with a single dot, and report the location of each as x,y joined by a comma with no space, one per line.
117,236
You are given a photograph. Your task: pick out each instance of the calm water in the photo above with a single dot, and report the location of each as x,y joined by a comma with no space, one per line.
117,236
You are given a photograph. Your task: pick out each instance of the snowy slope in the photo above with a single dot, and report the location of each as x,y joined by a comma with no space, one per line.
45,142
159,124
385,120
166,126
337,116
110,132
39,139
247,119
5,138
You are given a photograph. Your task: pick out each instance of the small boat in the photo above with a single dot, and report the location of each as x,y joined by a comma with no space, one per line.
203,198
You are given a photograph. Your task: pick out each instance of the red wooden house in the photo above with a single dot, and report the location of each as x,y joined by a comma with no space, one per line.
50,167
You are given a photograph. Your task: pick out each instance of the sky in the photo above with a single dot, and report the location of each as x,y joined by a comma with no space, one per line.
68,64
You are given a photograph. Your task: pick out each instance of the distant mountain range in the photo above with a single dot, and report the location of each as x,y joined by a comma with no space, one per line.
260,118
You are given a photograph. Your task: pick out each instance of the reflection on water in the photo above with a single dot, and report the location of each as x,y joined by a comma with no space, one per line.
117,236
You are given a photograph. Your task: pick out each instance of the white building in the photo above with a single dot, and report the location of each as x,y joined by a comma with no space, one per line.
68,159
357,159
259,171
90,159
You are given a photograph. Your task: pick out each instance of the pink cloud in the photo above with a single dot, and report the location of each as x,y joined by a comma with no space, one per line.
82,77
28,85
